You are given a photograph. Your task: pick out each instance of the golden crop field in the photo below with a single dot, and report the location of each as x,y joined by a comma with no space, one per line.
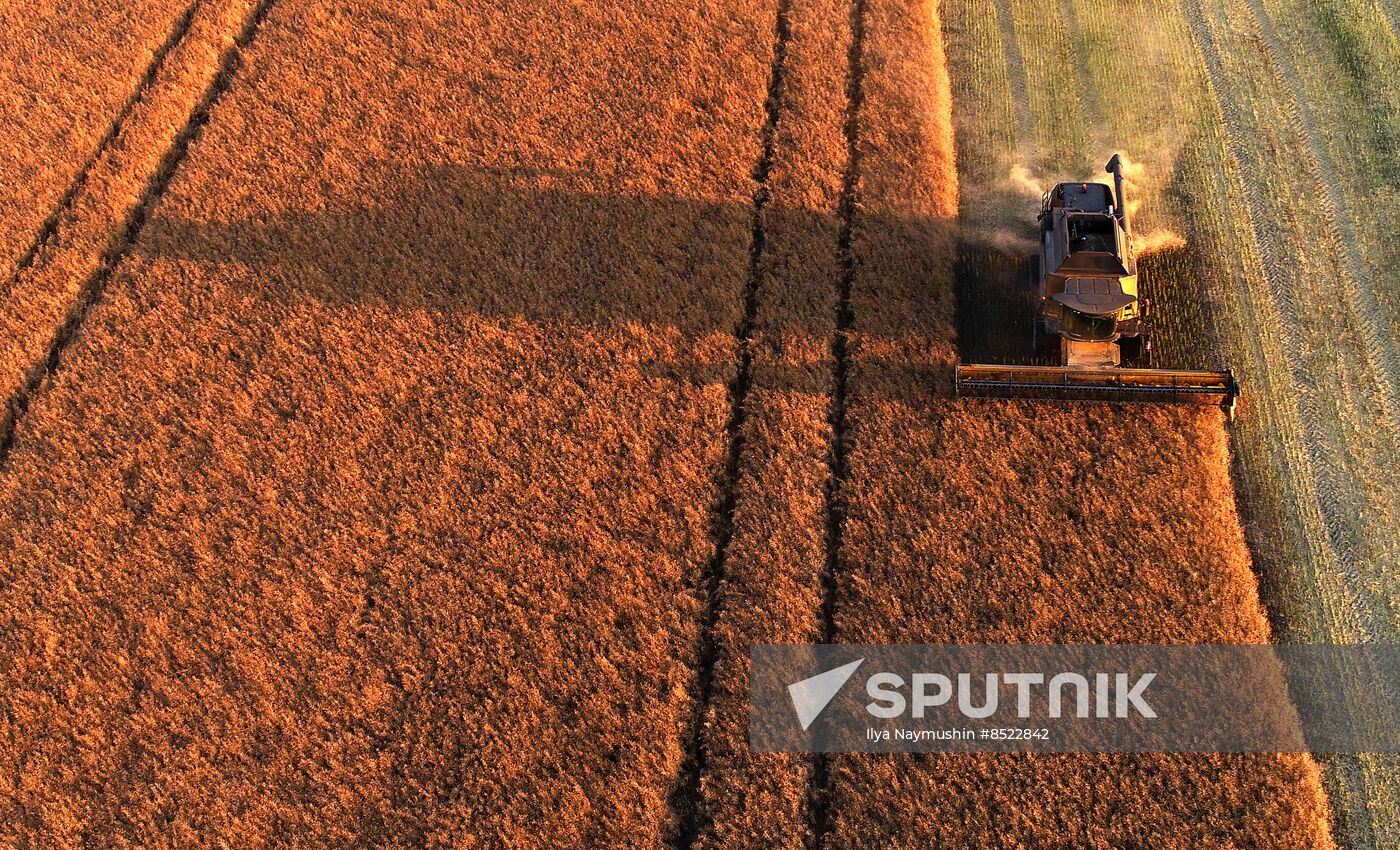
58,105
402,400
417,410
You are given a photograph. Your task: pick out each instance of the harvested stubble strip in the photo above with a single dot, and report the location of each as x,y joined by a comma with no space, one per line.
66,69
772,588
92,225
1023,522
370,502
1309,139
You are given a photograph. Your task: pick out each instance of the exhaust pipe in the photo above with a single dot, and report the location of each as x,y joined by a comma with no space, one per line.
1115,167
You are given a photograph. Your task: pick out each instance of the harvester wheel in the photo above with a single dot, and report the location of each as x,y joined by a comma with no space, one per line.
1038,335
1145,334
1133,351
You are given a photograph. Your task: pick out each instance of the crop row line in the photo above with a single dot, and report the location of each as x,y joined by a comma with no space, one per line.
685,800
95,285
821,791
1015,71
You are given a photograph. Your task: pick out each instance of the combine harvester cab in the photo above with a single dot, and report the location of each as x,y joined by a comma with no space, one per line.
1086,286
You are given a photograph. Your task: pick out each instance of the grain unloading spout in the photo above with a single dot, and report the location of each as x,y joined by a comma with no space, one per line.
1115,167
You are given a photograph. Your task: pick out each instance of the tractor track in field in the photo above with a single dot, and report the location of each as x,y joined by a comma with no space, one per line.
820,793
48,230
1278,300
1326,475
1091,106
1374,334
95,285
1015,72
685,801
1391,12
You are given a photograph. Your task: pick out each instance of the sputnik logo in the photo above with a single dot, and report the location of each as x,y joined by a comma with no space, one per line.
810,696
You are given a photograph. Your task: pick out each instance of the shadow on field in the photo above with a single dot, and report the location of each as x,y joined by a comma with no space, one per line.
994,306
548,247
498,243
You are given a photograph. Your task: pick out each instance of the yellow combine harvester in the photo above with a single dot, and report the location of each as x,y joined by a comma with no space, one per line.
1086,286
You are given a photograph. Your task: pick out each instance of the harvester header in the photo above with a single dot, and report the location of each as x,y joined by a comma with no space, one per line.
1128,385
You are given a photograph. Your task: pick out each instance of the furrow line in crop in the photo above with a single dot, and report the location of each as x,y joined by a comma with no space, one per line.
685,801
1092,108
1366,62
821,790
93,287
845,316
49,228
